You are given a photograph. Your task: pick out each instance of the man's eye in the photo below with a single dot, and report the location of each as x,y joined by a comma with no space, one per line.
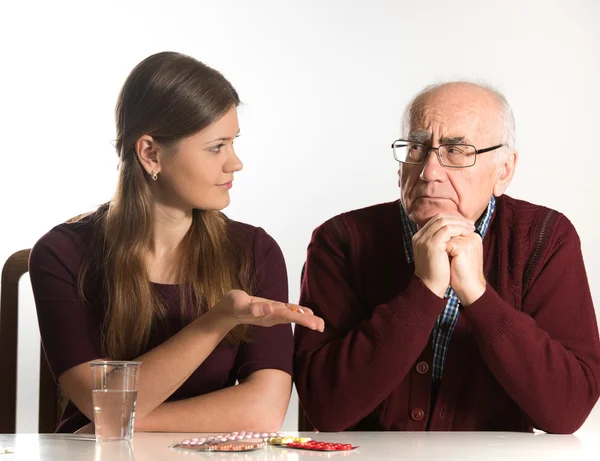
456,150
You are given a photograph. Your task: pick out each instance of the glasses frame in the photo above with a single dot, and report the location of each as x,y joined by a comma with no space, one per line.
437,152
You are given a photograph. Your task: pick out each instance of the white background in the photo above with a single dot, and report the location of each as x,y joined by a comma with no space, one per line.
324,84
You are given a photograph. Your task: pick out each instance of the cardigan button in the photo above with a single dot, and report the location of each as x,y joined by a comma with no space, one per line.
422,368
417,414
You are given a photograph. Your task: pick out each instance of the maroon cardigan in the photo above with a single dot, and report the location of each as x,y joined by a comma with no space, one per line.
525,355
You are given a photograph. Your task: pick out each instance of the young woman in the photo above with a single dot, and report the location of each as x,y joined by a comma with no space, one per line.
159,275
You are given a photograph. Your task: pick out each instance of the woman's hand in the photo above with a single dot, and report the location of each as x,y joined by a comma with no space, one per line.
245,309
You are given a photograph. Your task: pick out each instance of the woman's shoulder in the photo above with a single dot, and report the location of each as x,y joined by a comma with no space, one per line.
250,236
67,242
270,271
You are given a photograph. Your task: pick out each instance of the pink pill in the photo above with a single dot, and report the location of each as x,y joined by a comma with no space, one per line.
239,437
202,439
233,437
280,434
273,434
264,434
210,437
248,436
234,433
185,442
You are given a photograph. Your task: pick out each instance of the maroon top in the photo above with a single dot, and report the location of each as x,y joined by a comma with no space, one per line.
526,354
70,331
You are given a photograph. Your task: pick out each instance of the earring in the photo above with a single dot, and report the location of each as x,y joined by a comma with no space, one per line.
154,175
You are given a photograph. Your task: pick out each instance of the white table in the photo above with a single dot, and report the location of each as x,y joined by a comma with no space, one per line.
410,446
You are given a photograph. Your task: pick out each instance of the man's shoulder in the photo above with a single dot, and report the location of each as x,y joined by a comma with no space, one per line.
381,210
366,221
527,218
516,206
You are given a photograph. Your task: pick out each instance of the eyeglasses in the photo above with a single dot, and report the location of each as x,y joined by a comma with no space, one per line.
449,155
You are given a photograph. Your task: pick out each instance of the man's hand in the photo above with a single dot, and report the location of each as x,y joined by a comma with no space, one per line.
466,267
430,244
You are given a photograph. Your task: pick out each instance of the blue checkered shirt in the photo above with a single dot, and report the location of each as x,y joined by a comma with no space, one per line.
444,326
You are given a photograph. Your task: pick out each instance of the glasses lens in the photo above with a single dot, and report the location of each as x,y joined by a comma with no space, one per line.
458,155
409,152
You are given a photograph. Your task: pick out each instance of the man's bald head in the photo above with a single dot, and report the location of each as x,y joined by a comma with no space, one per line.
501,114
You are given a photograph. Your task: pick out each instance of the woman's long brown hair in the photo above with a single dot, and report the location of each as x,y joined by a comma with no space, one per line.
168,96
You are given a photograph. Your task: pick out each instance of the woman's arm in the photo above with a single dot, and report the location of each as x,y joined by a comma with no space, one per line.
166,367
257,404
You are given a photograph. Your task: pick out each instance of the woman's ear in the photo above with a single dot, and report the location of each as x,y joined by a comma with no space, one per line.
146,150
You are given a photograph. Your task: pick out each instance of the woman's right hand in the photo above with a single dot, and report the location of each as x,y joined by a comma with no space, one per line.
251,310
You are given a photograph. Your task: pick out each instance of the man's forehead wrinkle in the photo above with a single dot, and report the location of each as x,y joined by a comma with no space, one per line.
427,119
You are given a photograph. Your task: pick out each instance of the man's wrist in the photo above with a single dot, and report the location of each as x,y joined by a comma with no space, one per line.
468,297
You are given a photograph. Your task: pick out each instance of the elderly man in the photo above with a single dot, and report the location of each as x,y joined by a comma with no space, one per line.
457,307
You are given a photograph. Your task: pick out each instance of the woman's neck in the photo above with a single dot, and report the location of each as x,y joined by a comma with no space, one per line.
170,227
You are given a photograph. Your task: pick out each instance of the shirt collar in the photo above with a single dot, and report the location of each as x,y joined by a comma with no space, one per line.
410,228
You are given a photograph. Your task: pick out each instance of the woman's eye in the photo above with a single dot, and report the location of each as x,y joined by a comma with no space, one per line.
216,149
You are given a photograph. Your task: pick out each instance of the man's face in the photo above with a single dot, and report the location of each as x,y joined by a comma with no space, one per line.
453,114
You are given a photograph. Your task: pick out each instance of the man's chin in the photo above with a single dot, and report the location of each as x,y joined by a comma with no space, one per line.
420,219
421,215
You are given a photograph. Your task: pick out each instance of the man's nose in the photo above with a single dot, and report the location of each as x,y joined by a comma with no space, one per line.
432,168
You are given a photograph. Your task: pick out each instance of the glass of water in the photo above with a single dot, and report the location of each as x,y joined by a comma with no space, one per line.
114,392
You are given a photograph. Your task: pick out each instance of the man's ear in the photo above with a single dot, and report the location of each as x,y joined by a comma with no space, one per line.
505,173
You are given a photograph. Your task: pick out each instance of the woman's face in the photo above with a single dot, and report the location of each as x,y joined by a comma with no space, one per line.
198,172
